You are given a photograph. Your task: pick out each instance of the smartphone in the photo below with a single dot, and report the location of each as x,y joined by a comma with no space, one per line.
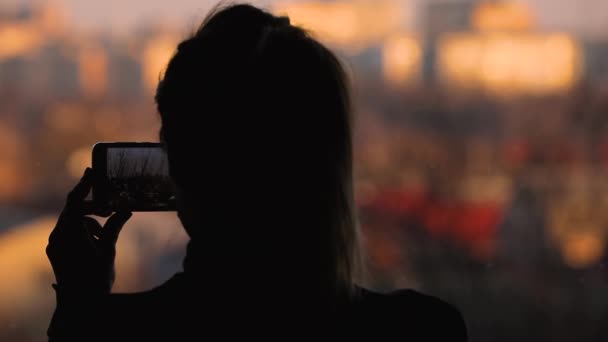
132,176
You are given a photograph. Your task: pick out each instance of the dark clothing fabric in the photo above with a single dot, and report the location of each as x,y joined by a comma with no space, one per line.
179,310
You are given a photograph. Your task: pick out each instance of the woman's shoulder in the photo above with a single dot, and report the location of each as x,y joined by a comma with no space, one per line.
410,313
404,300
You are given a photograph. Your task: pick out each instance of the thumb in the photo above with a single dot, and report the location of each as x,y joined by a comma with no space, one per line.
114,225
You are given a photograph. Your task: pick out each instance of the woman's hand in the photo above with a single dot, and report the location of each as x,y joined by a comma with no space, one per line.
80,250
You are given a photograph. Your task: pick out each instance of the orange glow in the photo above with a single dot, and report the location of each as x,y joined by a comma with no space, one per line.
510,63
21,38
458,60
503,16
10,176
157,54
483,188
66,117
13,184
401,59
583,249
18,40
93,65
78,161
350,25
52,19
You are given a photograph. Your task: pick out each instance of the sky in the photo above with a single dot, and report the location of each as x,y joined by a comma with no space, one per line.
588,17
123,15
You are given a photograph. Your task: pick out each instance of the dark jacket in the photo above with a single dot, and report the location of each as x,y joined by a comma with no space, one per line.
179,311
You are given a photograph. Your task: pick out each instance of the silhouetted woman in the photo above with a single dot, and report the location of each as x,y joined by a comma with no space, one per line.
256,121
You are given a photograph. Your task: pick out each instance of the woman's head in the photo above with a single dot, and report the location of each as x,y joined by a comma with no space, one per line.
256,120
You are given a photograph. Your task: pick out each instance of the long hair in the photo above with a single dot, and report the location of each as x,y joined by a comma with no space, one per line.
256,119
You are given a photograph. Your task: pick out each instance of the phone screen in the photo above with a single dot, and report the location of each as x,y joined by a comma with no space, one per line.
137,178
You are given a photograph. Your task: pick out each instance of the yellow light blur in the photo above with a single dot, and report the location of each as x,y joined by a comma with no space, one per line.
156,55
350,25
401,59
93,65
503,16
510,63
583,249
24,262
22,259
18,40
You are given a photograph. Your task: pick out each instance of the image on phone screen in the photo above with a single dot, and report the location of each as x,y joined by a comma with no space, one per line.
138,179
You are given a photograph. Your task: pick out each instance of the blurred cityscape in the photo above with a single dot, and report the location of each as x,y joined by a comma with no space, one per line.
481,153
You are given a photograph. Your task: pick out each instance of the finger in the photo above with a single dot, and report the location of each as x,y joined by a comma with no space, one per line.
92,226
90,208
114,225
68,232
79,193
102,212
69,222
74,208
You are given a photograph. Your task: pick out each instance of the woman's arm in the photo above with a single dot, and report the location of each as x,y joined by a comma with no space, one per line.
82,254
